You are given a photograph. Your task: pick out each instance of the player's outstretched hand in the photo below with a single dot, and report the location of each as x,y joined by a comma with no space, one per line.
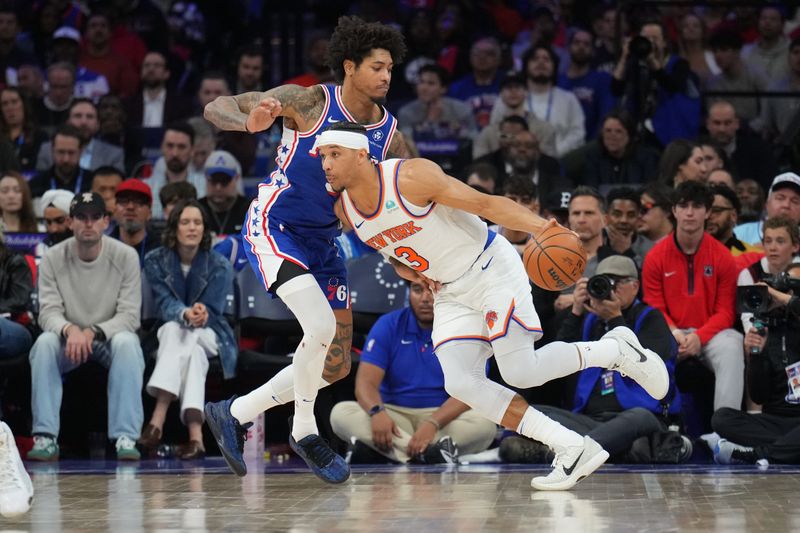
262,116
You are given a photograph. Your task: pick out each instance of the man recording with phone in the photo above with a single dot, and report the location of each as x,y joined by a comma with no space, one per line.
773,374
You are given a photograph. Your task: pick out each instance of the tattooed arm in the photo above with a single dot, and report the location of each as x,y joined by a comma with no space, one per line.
301,105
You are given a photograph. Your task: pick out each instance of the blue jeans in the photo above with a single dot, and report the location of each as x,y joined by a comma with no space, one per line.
123,358
14,339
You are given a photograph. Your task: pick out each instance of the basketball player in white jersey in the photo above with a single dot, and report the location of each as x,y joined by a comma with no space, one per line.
427,224
290,229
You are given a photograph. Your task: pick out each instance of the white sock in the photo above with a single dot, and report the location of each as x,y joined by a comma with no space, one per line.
277,391
600,353
305,299
536,425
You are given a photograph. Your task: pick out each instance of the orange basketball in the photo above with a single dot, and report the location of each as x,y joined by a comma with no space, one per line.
555,259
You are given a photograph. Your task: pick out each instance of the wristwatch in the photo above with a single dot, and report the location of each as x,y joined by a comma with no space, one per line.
99,334
375,410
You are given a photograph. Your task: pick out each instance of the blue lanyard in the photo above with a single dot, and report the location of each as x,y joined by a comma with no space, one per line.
78,183
142,246
549,104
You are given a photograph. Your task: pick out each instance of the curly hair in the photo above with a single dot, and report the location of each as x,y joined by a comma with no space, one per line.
354,39
170,236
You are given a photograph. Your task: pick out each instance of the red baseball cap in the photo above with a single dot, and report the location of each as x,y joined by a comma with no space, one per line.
135,185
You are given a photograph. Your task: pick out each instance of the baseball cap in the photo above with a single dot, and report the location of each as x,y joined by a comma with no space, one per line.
136,186
67,32
512,78
87,202
787,179
222,162
557,201
58,198
618,265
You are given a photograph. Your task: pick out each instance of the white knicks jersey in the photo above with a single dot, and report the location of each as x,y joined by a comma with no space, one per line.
435,240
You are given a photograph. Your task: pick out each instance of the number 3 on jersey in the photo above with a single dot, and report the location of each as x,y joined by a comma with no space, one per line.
418,263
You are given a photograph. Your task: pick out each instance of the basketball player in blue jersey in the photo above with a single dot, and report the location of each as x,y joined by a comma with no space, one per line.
427,224
290,229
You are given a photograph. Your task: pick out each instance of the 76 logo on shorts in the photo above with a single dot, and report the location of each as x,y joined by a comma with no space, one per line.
336,290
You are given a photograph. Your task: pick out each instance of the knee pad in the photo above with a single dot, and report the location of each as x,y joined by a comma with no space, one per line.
319,328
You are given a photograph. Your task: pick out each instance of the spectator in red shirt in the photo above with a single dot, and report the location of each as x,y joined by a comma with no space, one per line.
318,69
98,56
691,278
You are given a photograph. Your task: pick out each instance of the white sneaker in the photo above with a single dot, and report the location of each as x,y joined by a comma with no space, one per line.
572,465
16,489
640,364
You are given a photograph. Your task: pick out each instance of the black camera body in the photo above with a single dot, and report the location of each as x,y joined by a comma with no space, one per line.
600,286
752,299
783,282
640,47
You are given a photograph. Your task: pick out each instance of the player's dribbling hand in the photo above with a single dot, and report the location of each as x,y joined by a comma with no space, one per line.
262,116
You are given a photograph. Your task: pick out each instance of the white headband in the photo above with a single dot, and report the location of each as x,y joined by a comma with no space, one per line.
345,139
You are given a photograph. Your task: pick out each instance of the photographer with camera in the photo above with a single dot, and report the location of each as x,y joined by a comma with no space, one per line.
773,379
781,244
611,408
657,87
691,278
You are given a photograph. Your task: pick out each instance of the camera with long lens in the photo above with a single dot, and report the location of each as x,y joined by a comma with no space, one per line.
600,286
754,299
640,47
783,282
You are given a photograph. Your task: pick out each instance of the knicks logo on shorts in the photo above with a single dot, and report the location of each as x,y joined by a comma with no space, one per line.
491,319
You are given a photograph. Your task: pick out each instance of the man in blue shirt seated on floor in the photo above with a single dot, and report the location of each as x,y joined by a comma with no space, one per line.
402,410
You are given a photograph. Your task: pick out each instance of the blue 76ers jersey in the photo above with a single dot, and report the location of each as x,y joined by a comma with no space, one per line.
297,194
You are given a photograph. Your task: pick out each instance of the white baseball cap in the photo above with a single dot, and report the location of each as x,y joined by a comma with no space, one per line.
787,179
67,32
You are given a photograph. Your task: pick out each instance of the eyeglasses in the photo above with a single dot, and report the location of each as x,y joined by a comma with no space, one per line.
219,178
84,217
645,207
136,200
716,210
57,220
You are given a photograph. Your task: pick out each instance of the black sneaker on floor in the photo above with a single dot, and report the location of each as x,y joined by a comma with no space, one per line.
523,450
361,454
445,451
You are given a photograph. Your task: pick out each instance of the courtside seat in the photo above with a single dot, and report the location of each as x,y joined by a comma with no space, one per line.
375,289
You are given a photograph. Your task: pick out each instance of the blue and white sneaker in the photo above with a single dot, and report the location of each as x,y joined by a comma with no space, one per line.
229,433
730,453
323,461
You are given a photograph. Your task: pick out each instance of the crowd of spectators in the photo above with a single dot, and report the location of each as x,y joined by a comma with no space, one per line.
667,136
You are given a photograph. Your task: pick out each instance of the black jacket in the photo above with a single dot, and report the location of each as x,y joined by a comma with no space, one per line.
766,372
16,283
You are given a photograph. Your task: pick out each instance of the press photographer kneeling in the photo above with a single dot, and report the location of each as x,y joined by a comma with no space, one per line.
772,345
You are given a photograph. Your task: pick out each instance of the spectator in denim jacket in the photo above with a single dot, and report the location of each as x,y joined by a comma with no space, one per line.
189,282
